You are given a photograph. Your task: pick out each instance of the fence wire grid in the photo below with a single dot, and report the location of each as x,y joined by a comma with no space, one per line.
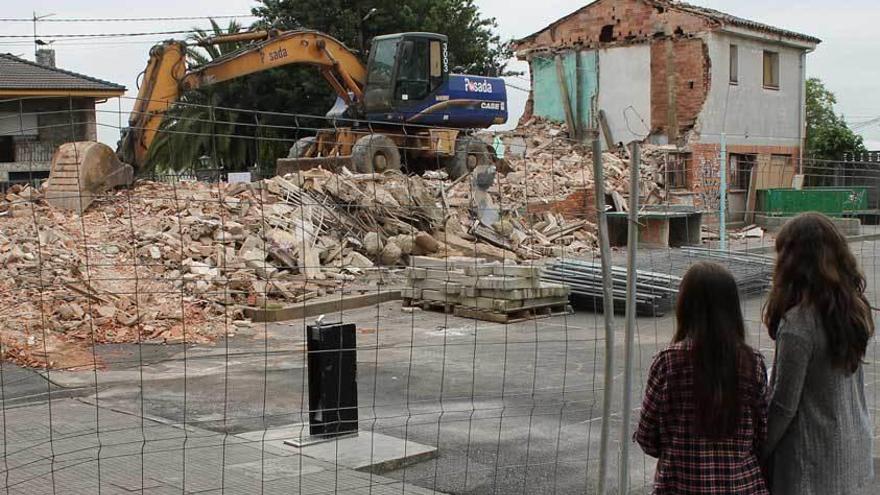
158,342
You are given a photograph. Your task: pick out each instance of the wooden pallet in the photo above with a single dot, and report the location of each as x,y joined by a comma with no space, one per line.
515,316
426,305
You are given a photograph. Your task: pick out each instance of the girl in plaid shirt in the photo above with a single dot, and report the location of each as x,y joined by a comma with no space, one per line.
704,414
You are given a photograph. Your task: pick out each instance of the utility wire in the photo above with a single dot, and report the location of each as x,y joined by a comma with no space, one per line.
83,43
99,35
512,86
125,19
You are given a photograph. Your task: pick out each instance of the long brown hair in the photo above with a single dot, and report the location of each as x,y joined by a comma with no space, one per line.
815,267
709,314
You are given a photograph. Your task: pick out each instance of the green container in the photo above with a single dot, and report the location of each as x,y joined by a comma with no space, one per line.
832,201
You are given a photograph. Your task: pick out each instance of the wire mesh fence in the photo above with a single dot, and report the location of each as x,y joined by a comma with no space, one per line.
163,339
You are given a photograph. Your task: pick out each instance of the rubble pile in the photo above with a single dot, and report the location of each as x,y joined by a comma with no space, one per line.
546,165
164,263
172,262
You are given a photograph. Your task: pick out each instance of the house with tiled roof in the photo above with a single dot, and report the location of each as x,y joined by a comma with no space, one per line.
724,93
42,106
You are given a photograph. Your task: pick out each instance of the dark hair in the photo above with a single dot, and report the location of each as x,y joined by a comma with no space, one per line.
708,313
815,267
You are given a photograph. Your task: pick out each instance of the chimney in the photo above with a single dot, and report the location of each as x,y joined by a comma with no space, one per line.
46,56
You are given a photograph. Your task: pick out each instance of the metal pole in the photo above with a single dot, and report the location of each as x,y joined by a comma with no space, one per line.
36,46
632,244
722,227
607,310
35,19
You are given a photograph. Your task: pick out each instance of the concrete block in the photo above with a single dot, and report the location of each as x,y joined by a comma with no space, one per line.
508,305
439,297
452,262
371,452
506,283
441,285
415,273
411,293
556,290
366,451
426,262
517,271
319,307
447,275
479,271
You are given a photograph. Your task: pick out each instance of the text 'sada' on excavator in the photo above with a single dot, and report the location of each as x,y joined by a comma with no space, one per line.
404,106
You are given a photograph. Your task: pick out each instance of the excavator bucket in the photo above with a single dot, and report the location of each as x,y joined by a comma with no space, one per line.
83,170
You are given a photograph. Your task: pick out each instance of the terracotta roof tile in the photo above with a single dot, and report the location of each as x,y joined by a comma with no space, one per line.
18,73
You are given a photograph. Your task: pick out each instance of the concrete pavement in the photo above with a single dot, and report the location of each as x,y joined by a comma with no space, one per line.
509,408
77,447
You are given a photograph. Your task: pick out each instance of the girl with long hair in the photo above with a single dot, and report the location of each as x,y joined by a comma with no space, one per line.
705,407
819,433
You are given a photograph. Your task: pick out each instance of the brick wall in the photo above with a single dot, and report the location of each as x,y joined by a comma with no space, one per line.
689,59
640,22
580,204
631,21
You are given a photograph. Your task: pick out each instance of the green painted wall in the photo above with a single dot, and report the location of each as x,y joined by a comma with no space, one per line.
548,102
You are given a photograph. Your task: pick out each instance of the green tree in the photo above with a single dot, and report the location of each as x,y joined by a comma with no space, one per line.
237,123
473,42
828,136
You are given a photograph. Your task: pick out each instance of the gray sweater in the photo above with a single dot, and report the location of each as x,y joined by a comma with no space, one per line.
819,430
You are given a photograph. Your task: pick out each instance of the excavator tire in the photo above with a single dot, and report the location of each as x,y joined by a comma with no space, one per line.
302,147
82,171
470,153
375,153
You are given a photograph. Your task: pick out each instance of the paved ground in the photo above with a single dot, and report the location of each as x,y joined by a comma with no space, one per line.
99,450
511,409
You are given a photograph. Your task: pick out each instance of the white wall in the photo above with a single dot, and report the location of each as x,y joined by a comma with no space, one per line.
748,113
625,91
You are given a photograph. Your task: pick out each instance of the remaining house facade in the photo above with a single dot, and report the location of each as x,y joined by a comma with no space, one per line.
42,106
671,73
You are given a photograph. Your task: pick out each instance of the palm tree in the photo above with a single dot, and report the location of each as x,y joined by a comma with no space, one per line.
201,124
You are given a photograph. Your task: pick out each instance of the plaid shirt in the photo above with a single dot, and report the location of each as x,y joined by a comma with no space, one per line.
687,463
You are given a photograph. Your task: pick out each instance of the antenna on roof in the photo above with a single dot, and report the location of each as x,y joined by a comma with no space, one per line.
37,42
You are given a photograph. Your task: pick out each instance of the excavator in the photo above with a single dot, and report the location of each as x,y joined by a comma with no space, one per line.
402,107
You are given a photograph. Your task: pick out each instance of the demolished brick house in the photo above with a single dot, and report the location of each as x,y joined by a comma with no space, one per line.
675,74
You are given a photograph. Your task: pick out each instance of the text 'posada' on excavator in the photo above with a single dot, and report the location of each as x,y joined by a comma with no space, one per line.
403,106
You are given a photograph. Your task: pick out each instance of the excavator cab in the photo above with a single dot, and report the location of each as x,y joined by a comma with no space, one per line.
408,82
403,71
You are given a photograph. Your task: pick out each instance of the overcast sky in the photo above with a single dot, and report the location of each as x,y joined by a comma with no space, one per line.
846,60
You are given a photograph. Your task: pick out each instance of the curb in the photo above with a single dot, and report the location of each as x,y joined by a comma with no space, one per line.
335,305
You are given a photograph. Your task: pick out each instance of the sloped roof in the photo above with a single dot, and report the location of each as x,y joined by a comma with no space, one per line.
733,20
715,15
20,74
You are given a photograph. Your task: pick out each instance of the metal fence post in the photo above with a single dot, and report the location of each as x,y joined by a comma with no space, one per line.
722,213
632,244
607,310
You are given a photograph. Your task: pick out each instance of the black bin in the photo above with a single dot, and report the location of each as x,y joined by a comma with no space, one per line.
332,353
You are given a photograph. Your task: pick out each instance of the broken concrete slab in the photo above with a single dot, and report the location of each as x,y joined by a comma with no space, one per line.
368,451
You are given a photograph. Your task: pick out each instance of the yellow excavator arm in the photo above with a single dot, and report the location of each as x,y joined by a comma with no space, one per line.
167,77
